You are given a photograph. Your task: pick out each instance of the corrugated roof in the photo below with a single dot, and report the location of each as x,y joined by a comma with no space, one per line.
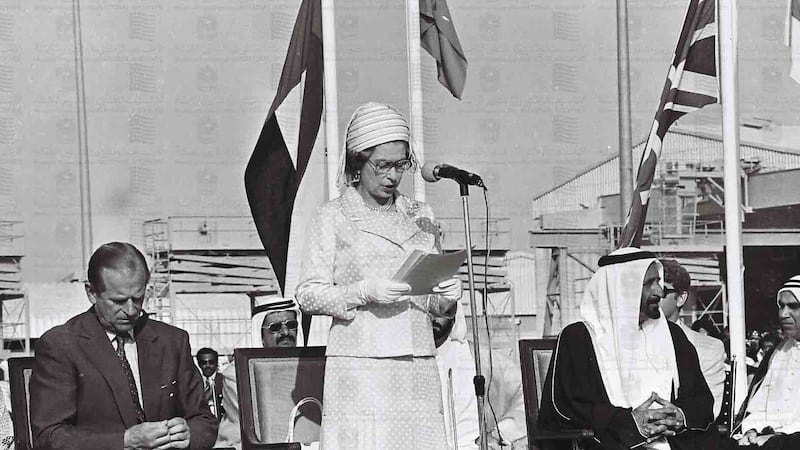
698,145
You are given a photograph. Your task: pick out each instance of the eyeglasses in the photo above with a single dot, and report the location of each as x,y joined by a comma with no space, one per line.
669,290
276,327
383,167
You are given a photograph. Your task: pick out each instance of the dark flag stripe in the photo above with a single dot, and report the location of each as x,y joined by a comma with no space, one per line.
271,178
696,61
694,75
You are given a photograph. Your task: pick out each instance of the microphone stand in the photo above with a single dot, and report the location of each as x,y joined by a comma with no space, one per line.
478,380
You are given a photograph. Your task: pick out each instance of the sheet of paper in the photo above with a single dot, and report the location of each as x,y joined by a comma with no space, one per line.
423,271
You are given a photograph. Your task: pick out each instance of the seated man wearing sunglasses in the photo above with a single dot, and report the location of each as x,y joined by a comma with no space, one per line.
278,328
710,350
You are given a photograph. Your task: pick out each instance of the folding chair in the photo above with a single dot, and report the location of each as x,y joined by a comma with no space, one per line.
19,376
535,355
271,383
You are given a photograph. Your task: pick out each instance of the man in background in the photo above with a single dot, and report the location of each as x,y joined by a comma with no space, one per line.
770,415
506,427
208,362
112,378
275,323
710,350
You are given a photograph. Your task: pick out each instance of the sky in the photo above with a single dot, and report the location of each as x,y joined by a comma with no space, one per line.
177,90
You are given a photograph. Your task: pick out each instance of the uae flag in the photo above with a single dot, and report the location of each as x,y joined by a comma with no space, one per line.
691,84
438,38
284,148
793,37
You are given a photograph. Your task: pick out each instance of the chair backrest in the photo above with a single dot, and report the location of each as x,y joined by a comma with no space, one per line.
534,355
19,376
270,382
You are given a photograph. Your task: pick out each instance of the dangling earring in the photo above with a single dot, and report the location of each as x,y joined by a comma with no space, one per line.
356,177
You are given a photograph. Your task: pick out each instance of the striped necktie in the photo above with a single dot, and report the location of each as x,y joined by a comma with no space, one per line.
126,367
211,395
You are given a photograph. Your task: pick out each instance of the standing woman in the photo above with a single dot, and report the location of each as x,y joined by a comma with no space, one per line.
381,379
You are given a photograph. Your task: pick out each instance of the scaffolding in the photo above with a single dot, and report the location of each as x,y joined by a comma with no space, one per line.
159,299
492,286
677,229
14,305
205,255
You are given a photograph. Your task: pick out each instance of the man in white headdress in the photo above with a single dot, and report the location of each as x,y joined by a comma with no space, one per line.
770,416
275,322
624,371
505,419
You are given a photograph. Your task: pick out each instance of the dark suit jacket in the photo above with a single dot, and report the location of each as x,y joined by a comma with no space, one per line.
79,393
218,387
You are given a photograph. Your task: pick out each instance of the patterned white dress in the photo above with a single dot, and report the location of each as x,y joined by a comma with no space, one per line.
382,387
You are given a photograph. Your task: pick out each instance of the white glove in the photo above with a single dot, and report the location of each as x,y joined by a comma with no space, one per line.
382,290
449,289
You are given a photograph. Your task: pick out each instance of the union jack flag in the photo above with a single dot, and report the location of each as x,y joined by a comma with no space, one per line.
691,84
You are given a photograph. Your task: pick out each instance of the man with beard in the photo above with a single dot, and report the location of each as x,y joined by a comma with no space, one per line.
624,371
770,416
275,323
506,418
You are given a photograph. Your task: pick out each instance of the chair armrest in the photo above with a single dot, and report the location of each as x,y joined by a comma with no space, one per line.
562,435
277,446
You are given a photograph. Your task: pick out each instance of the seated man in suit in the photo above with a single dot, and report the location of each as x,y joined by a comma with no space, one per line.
208,362
275,323
505,420
710,350
624,371
112,378
770,416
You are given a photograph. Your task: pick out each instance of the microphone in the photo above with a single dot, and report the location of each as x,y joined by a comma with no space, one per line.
433,172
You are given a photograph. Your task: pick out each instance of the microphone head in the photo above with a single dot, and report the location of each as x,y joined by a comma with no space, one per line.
428,172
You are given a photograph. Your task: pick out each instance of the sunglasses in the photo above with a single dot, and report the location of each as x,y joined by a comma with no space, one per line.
668,291
276,327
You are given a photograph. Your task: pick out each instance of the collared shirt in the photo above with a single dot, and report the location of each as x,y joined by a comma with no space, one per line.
210,380
776,403
132,354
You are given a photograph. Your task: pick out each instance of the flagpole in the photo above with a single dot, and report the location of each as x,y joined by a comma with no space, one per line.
83,147
624,102
415,92
331,100
727,20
